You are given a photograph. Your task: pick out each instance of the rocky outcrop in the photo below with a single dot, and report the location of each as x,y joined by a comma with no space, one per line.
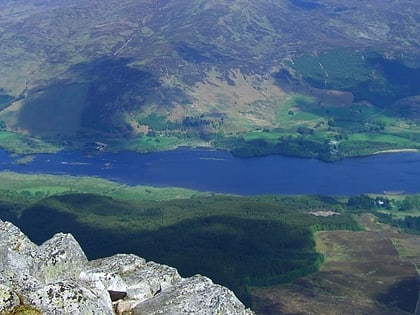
57,278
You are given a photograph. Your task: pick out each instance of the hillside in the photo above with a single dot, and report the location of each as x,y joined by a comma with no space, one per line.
278,254
312,78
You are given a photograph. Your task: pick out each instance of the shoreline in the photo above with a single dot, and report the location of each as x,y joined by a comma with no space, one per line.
395,151
208,148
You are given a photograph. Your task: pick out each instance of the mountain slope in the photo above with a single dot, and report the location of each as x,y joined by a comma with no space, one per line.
198,71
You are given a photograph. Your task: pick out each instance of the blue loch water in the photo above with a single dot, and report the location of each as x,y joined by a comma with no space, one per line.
220,172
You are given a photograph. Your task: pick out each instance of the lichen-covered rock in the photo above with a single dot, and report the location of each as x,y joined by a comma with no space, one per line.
22,280
125,306
120,263
57,278
70,298
12,238
110,282
140,280
8,298
15,248
146,282
13,261
59,258
106,273
196,295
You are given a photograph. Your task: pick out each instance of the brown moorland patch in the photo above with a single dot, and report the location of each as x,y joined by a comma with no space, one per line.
371,272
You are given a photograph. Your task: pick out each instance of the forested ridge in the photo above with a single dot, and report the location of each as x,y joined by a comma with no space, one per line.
239,242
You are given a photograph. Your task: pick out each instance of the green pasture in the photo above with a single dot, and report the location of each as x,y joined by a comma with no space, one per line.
154,143
40,186
271,136
21,144
293,112
5,135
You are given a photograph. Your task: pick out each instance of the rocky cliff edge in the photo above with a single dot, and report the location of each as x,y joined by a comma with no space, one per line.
57,278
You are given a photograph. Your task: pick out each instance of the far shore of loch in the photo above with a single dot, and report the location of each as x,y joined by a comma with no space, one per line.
396,151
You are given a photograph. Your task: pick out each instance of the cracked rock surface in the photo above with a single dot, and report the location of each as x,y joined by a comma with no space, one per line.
57,278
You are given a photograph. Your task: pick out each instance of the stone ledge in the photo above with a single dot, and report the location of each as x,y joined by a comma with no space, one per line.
57,278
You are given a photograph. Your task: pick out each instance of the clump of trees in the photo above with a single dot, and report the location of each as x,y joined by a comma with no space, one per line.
410,224
364,203
292,146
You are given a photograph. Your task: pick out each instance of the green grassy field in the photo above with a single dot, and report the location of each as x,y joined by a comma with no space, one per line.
328,132
155,143
40,186
21,144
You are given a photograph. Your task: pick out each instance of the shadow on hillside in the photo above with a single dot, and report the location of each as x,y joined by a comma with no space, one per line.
104,90
403,295
232,251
